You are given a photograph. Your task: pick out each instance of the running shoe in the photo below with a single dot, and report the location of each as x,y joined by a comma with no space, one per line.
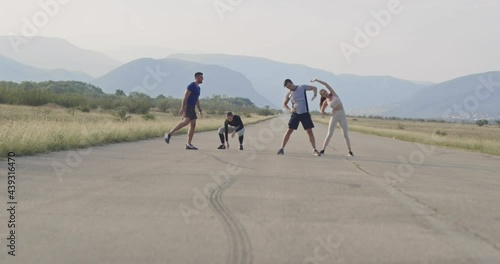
241,147
350,154
322,152
167,137
191,147
316,153
221,147
281,152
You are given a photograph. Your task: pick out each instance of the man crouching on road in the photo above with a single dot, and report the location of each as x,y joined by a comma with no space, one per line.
233,125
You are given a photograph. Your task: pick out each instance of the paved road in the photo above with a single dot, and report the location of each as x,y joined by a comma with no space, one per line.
148,202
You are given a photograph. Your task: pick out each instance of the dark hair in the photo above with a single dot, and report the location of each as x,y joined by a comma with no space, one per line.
229,114
287,81
321,101
197,74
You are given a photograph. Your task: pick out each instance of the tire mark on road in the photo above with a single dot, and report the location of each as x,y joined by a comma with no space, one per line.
240,248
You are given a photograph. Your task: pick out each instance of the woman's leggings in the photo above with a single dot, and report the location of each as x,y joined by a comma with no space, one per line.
338,117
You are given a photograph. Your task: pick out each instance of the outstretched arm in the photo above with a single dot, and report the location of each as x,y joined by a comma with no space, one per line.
313,88
330,89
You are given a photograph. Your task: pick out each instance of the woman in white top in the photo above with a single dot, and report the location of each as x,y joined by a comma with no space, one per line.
331,99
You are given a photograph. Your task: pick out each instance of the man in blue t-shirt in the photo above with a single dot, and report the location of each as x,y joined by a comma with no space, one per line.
188,112
300,113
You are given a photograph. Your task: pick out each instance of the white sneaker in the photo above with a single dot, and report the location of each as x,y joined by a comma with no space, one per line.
191,147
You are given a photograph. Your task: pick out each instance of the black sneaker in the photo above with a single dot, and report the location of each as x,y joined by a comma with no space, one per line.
167,137
281,152
241,147
221,147
316,153
350,154
191,147
322,152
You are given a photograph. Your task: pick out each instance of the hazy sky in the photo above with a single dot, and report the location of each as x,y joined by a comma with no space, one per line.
425,40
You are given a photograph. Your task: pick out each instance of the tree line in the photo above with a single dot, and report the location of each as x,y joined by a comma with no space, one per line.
85,96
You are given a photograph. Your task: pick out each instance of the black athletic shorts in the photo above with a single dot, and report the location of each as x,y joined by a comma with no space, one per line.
190,112
304,118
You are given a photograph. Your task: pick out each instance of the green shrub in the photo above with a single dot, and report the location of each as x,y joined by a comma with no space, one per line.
265,112
483,122
148,116
162,104
440,132
121,113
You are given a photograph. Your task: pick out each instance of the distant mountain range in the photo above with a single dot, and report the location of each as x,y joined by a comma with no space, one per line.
170,77
128,54
54,53
267,77
470,97
259,79
11,70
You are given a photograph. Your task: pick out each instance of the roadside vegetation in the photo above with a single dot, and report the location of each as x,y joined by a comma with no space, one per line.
469,136
52,116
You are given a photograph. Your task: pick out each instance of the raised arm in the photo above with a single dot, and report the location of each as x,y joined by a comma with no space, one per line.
330,89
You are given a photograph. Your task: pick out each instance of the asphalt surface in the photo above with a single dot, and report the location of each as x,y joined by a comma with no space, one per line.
149,202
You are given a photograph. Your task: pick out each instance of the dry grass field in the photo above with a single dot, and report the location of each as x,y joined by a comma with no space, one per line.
29,130
461,136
